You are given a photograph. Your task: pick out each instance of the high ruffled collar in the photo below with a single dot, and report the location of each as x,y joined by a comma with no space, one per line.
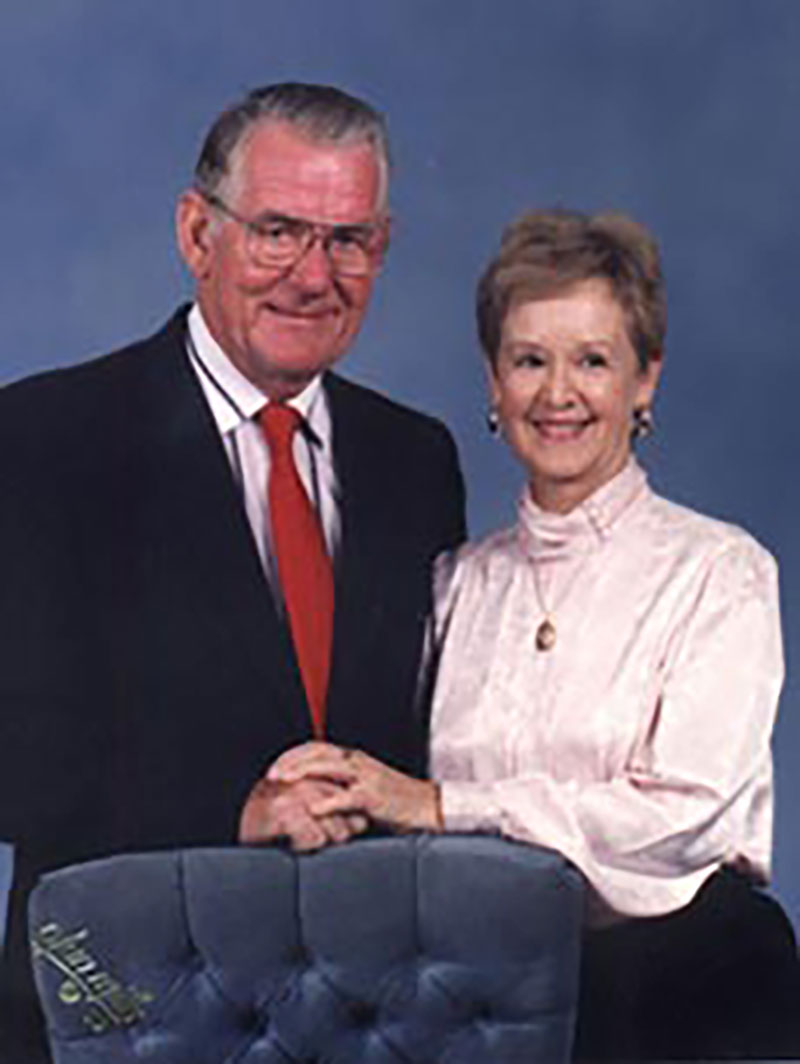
546,534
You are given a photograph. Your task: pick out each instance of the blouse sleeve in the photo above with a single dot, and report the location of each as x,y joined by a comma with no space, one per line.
699,774
445,567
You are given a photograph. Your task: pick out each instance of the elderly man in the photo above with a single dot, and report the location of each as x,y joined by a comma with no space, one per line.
214,547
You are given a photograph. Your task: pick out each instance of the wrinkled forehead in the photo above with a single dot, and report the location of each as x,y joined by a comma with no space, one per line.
278,167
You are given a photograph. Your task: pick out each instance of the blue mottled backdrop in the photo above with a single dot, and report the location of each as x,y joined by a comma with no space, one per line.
684,112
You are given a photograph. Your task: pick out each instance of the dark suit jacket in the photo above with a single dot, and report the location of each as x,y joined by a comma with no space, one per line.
146,677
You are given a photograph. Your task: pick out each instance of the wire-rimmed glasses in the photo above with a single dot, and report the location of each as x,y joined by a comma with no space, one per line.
278,240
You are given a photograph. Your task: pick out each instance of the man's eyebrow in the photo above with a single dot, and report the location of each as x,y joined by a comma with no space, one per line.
359,226
292,219
275,216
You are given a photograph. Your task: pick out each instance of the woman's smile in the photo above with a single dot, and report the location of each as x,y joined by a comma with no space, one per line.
565,385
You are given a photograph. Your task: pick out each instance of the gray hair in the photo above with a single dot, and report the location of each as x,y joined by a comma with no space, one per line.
321,112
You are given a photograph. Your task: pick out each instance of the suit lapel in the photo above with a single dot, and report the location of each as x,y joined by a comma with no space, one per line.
358,572
202,506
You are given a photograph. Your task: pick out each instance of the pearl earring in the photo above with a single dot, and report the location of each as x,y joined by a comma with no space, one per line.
643,424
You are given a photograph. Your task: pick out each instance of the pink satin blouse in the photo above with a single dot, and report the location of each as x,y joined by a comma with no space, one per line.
639,744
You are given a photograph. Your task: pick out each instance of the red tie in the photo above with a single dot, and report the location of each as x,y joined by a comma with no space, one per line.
304,566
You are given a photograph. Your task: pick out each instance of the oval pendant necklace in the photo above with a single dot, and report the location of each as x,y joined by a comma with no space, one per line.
546,634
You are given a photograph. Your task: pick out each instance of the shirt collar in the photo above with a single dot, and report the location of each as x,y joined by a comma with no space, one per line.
544,533
234,399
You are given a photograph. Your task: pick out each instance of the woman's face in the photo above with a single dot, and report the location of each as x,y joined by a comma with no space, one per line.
565,386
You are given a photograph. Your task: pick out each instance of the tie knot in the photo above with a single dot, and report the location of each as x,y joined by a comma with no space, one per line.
279,422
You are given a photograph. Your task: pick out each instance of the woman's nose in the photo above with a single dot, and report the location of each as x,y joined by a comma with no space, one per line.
557,384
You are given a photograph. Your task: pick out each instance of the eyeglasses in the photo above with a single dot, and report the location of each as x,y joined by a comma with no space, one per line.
278,240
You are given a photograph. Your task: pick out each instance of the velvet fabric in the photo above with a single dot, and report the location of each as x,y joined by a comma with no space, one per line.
6,870
447,949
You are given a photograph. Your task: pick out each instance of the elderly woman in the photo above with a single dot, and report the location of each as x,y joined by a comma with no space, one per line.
607,670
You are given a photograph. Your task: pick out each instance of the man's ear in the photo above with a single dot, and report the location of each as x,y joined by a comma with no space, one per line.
384,234
193,222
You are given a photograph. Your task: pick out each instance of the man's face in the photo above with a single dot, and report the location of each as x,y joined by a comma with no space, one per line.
282,325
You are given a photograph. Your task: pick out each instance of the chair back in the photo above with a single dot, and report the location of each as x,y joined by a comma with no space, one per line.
6,872
449,949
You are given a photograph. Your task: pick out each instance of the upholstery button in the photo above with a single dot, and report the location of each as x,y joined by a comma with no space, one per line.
362,1013
249,1019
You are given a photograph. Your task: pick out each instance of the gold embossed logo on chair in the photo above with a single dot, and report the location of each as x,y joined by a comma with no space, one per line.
105,1002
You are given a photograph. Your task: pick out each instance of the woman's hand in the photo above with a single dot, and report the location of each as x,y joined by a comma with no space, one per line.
366,786
277,811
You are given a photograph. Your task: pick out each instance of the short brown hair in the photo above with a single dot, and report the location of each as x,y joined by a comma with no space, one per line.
544,252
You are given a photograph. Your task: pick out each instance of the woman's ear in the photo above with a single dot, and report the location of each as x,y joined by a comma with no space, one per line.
648,381
492,382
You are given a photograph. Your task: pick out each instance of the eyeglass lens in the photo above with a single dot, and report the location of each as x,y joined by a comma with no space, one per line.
280,241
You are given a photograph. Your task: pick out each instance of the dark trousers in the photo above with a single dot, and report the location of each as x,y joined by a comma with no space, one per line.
716,980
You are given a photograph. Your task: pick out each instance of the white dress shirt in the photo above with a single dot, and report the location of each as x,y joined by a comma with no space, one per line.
235,403
639,745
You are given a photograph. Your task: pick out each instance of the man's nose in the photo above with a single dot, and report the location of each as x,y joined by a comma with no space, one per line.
313,270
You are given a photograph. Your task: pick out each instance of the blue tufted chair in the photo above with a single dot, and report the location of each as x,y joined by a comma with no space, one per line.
443,950
6,869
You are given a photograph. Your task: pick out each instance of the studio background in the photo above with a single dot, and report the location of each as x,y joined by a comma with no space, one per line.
683,113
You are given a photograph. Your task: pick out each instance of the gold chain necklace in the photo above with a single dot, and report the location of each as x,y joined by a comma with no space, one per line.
546,631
